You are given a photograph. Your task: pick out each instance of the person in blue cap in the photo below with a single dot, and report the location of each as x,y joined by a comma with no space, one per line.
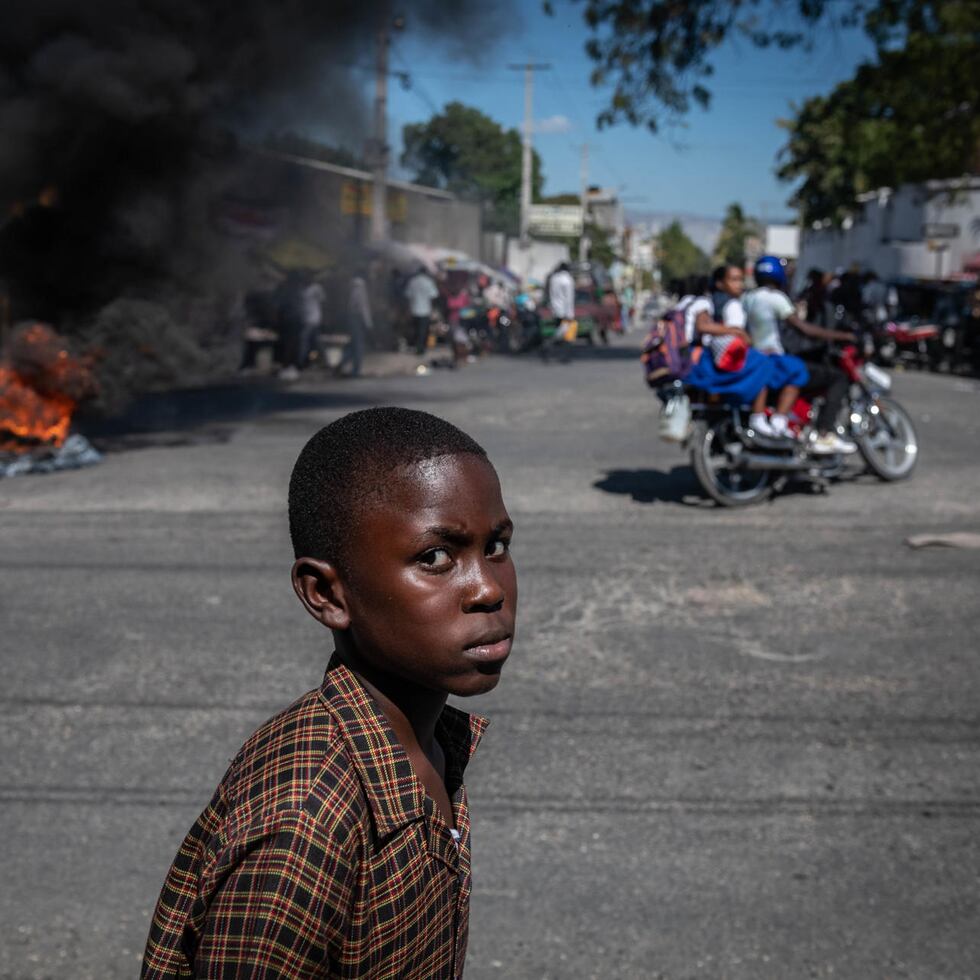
775,328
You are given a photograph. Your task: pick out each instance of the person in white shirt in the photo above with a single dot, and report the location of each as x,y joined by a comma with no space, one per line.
772,319
421,291
494,295
695,302
359,321
561,300
730,366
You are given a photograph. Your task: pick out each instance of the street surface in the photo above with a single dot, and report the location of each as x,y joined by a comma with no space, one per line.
739,745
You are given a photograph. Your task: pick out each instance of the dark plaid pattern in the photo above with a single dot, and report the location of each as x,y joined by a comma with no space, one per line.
321,855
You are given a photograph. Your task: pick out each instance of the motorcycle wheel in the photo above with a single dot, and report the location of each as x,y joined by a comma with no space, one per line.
888,442
725,484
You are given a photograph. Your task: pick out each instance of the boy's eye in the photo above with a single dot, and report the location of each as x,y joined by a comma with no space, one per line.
498,548
436,558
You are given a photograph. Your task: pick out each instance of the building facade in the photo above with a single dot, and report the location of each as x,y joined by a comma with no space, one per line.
923,231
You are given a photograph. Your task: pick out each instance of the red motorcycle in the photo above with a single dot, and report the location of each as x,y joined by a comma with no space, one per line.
737,467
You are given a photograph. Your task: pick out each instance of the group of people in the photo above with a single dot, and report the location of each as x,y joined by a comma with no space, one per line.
291,316
430,302
755,348
862,296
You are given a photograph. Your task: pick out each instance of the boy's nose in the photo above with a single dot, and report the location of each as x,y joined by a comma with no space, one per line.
485,592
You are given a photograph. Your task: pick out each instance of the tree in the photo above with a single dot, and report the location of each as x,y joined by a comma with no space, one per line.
678,255
735,230
910,117
601,248
657,53
465,151
561,199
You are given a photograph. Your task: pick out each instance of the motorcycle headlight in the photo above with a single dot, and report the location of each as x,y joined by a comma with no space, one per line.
875,376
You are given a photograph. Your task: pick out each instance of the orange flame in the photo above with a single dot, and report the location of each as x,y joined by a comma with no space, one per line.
28,419
40,386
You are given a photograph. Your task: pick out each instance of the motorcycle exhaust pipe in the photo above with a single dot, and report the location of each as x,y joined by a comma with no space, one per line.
770,461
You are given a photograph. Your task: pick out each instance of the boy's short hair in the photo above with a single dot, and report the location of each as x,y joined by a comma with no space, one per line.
350,460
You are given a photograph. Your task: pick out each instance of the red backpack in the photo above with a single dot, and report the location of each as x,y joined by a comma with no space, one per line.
666,353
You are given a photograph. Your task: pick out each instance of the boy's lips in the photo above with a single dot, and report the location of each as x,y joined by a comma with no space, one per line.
490,647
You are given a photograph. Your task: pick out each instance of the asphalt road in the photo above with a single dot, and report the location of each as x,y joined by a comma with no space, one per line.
740,745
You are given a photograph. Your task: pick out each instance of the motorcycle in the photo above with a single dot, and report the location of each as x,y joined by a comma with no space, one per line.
918,345
737,467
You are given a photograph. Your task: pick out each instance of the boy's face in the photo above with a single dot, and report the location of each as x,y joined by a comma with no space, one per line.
432,590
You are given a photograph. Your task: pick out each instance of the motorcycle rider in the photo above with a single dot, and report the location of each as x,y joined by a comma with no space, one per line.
774,325
729,366
720,323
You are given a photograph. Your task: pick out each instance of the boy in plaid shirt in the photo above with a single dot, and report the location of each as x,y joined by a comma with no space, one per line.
337,844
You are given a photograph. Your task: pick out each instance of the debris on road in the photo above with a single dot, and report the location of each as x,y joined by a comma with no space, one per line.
75,452
956,539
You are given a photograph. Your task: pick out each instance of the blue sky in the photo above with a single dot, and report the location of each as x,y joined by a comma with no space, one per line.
724,154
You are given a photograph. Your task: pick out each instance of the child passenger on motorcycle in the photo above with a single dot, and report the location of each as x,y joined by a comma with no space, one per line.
771,319
730,366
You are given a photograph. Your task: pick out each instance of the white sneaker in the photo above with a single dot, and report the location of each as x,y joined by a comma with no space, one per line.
759,424
830,443
289,373
780,427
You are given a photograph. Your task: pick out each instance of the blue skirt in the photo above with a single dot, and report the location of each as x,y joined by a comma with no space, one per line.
787,370
737,386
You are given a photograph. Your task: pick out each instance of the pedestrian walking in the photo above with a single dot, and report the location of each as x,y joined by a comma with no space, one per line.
289,321
359,322
338,842
421,291
313,298
561,300
456,301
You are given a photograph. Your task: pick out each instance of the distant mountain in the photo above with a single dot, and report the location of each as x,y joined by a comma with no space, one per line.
701,229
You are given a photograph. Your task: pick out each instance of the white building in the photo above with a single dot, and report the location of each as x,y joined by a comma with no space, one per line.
783,241
929,231
605,210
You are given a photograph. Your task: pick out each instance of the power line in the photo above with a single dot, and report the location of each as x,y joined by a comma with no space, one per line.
413,84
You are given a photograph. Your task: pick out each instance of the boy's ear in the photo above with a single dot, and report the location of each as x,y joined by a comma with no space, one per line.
321,590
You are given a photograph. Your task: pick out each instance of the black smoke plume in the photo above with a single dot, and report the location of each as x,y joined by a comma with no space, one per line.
110,110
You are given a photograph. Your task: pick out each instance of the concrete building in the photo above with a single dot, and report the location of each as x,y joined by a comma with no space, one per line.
929,231
271,196
605,210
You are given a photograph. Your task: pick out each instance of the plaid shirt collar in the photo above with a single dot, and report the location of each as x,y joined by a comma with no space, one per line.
394,793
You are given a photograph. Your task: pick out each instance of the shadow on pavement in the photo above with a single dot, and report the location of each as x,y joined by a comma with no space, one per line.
583,352
196,416
679,486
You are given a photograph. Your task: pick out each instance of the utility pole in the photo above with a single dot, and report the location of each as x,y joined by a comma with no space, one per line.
526,157
583,248
379,186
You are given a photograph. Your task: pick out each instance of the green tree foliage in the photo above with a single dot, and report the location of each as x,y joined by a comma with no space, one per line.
656,54
910,117
736,229
561,199
601,248
465,151
678,255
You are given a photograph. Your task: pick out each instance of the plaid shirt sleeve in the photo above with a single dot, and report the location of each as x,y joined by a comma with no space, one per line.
279,904
271,902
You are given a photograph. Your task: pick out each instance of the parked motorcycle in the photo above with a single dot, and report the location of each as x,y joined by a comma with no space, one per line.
915,344
737,467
